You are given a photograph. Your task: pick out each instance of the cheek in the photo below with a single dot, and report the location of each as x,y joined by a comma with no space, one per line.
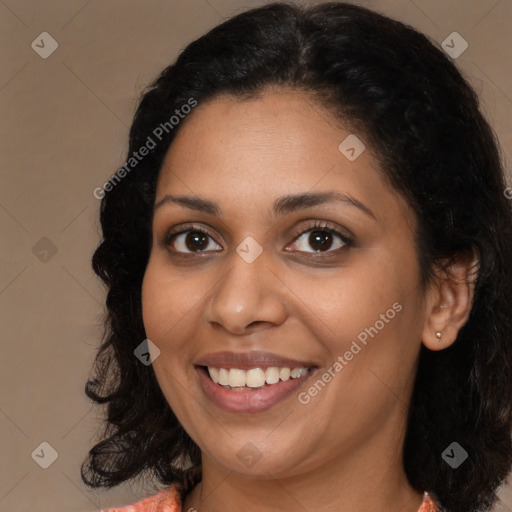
154,305
171,309
163,313
350,300
165,302
366,314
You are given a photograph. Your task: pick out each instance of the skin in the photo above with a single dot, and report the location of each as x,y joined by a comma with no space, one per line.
342,450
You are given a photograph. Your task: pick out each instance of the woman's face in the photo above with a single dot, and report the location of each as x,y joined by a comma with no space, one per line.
250,282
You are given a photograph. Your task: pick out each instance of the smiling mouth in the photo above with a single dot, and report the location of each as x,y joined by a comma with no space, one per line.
253,394
253,379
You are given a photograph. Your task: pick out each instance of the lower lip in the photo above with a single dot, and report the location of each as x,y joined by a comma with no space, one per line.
248,401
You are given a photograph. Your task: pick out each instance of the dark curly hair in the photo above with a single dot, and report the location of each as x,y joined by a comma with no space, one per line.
390,83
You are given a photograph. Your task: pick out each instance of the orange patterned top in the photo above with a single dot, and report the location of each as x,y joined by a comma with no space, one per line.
168,500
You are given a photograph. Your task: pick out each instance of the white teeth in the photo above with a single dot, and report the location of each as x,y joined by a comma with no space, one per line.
236,378
298,372
214,374
284,373
223,377
272,375
253,378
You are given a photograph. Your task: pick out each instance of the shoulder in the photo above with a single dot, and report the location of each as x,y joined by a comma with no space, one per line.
167,500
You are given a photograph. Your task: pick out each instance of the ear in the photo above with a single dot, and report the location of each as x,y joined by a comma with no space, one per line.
449,300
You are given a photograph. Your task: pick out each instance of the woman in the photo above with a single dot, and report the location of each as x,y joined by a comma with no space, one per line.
308,262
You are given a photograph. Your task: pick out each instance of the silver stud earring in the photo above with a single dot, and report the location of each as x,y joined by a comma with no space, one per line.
438,335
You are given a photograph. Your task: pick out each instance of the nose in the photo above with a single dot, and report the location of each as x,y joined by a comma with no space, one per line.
248,297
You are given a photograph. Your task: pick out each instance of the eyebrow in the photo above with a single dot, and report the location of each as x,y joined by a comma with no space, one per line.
282,205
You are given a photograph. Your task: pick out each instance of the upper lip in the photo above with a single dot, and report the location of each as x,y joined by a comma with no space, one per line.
248,360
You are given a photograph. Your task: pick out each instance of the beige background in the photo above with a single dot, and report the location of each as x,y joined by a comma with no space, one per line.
64,127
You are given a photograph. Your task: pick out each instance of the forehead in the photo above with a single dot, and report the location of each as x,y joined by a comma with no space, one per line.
282,142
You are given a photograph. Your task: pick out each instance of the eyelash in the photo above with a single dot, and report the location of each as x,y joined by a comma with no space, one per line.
319,226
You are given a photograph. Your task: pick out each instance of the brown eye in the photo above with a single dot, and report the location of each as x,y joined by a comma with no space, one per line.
321,239
191,240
